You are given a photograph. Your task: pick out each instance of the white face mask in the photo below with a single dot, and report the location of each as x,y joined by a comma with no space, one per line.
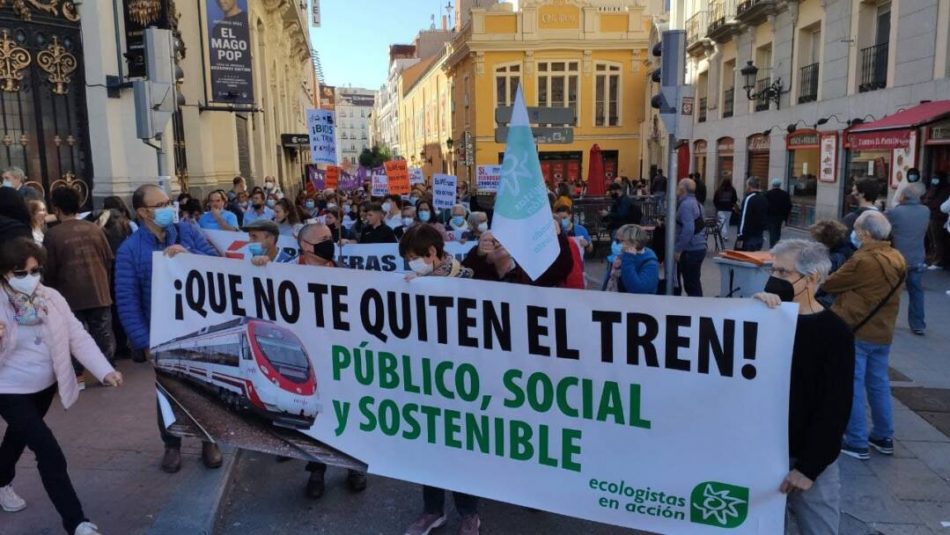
25,285
482,227
420,267
387,206
7,184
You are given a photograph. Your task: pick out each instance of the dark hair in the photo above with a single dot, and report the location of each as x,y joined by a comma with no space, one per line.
292,216
419,238
138,196
372,207
184,197
114,202
421,202
396,199
563,189
14,253
66,200
615,186
13,206
335,212
828,232
257,191
724,185
237,180
868,188
193,207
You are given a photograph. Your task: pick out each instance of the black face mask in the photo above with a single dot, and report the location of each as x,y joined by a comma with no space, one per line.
782,288
324,249
258,206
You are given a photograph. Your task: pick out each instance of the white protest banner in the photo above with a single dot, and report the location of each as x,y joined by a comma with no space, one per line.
380,185
487,178
368,256
234,245
416,176
321,129
522,221
655,413
443,191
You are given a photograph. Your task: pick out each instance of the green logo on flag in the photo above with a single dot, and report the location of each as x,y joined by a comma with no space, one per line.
521,191
719,504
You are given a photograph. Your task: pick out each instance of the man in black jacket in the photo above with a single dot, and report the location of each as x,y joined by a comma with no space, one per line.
752,220
622,211
780,207
375,230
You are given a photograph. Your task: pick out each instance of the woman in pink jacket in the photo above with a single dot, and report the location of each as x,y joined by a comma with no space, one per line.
37,334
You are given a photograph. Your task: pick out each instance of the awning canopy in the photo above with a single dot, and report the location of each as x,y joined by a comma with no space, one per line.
894,131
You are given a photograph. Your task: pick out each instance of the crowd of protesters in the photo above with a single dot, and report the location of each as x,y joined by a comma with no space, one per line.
847,282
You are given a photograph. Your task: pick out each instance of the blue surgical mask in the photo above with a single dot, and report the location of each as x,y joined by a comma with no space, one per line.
458,221
7,184
616,248
271,203
854,240
164,216
309,205
424,216
565,224
255,249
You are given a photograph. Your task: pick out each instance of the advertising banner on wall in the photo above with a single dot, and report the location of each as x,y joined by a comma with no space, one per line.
229,52
471,385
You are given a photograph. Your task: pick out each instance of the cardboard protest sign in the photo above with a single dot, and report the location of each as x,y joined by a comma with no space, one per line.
317,179
662,414
332,177
379,185
397,175
321,127
487,178
416,176
443,191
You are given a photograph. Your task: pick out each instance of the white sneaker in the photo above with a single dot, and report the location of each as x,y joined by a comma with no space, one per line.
9,501
87,528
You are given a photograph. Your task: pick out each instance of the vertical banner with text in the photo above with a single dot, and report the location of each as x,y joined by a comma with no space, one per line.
321,128
443,191
229,52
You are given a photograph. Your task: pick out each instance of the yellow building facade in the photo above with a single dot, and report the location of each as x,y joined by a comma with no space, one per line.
425,118
588,55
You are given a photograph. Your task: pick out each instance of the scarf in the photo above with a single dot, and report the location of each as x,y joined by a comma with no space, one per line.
27,309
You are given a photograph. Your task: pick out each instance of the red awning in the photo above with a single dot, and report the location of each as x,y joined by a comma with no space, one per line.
909,118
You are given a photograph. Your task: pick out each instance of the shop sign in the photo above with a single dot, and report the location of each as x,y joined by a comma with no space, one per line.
802,140
699,147
939,134
828,157
758,143
885,140
725,146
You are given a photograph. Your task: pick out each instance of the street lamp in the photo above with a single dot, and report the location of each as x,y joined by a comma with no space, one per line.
771,92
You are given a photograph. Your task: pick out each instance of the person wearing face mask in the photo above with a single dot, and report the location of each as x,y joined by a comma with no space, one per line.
635,269
133,289
424,214
407,220
38,333
867,297
263,247
820,393
622,210
309,208
14,177
565,216
864,193
374,230
258,210
271,187
457,222
938,237
477,223
392,212
422,247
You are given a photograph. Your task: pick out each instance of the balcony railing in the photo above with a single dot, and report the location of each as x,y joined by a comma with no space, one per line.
702,110
722,13
728,101
873,68
696,27
808,83
761,101
754,10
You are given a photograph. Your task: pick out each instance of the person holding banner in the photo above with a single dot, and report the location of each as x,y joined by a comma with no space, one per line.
374,230
133,289
263,247
423,248
492,262
821,385
37,334
218,217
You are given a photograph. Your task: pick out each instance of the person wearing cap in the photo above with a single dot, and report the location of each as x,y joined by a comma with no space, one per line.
780,207
263,247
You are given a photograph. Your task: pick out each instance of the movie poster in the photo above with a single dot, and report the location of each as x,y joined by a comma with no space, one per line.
229,52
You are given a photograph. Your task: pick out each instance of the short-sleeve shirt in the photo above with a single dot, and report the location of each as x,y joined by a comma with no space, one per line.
582,232
251,215
207,220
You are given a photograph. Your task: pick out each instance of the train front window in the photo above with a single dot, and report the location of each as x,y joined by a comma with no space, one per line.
285,354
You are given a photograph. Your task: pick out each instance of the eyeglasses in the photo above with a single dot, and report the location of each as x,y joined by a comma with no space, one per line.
165,204
21,273
781,272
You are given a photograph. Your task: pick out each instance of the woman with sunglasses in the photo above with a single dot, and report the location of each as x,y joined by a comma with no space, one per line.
37,334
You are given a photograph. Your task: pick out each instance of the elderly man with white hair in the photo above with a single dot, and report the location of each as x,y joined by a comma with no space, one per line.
910,220
820,392
867,297
780,207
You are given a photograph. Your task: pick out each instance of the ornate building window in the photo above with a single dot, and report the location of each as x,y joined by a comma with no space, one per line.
607,95
558,83
507,79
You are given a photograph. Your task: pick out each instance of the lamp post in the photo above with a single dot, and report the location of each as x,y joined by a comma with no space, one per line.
772,92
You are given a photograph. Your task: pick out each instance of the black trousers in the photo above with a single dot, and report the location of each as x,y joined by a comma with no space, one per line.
98,323
25,428
433,500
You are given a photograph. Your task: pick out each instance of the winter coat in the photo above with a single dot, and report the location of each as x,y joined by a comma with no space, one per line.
639,273
133,275
65,336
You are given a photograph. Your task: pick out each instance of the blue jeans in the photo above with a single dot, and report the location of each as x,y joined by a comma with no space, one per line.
870,376
915,298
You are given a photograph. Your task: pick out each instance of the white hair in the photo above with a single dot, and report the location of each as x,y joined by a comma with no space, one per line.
811,257
913,191
776,182
874,223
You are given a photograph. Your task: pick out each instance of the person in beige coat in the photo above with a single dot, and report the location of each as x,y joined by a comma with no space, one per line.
38,332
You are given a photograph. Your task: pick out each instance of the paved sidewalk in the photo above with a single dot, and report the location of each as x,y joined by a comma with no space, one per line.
113,451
